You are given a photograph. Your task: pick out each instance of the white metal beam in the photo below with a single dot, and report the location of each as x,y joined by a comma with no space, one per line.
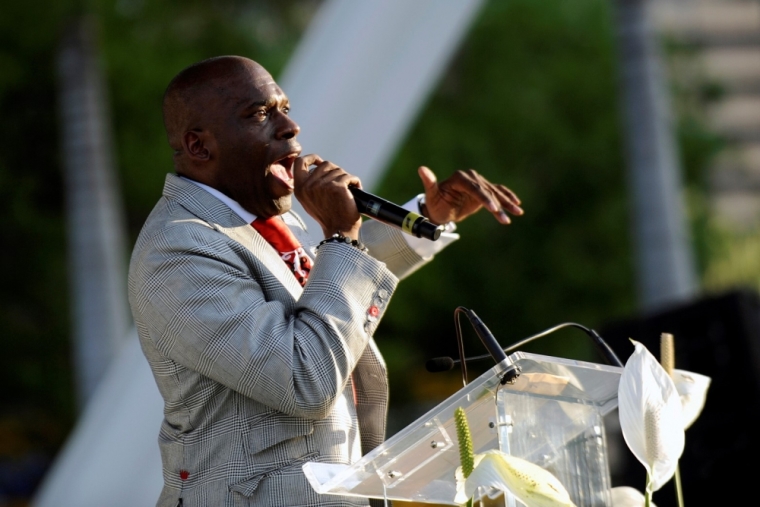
96,226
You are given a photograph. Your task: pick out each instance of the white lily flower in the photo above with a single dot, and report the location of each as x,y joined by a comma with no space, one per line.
530,483
651,417
626,496
692,388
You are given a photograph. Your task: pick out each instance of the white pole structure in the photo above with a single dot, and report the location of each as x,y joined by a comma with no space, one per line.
112,456
664,257
96,230
357,80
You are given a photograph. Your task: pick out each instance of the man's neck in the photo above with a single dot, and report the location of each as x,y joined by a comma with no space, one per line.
231,203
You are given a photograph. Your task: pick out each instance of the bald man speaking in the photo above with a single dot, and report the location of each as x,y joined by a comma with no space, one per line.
260,342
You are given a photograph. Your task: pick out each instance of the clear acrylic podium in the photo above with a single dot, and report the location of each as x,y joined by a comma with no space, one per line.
540,408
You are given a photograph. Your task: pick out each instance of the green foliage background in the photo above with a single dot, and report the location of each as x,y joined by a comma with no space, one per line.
529,100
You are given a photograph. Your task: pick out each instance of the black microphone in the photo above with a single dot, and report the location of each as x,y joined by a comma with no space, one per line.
488,339
393,214
439,364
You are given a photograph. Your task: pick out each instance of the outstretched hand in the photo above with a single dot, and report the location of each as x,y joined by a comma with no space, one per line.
464,193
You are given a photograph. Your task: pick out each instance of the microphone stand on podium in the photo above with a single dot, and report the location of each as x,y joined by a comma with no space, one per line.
543,409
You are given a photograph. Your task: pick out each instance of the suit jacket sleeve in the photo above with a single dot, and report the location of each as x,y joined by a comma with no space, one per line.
201,299
387,244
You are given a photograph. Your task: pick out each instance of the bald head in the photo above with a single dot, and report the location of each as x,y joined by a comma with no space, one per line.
191,98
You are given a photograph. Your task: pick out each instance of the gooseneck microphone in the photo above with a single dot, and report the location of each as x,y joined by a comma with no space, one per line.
392,214
439,364
488,339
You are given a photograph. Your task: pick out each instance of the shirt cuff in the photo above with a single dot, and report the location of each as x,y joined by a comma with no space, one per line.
424,247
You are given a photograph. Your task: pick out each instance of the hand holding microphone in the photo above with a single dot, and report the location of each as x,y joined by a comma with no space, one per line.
323,192
335,198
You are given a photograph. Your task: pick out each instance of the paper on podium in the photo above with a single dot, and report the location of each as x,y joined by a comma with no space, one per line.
551,415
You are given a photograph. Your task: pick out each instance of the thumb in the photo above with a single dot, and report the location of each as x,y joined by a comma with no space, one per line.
429,181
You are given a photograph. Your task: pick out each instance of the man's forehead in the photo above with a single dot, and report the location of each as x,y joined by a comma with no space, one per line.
259,86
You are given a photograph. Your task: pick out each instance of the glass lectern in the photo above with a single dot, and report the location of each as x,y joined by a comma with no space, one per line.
543,409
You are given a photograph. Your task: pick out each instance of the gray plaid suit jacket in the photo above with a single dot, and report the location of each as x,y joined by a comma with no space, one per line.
258,374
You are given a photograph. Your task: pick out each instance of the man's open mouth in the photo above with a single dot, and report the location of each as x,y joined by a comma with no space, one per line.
283,170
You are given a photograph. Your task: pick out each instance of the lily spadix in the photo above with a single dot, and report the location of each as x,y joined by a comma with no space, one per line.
692,388
651,417
531,484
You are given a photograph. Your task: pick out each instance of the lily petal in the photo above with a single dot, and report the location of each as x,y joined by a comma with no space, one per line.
651,417
531,484
626,496
692,388
461,497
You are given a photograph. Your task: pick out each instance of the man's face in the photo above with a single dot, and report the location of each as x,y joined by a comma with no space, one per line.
256,142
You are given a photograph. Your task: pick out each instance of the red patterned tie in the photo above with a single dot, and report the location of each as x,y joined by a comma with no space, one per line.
279,235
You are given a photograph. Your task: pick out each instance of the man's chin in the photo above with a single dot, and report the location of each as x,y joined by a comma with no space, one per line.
270,207
283,204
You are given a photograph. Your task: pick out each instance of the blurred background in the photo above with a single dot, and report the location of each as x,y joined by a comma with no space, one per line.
629,129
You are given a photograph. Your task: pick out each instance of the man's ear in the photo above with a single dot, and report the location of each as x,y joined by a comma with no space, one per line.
198,144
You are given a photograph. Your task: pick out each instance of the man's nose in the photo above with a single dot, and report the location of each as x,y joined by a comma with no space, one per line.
288,128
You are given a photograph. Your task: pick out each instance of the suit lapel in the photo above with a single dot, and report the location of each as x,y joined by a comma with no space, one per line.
211,210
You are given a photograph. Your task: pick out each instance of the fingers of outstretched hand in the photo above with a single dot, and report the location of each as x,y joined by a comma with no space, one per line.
508,199
495,198
428,178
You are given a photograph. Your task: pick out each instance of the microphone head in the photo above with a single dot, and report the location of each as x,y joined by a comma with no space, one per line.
439,364
429,230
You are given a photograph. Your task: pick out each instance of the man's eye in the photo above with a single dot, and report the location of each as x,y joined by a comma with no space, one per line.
261,114
286,110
